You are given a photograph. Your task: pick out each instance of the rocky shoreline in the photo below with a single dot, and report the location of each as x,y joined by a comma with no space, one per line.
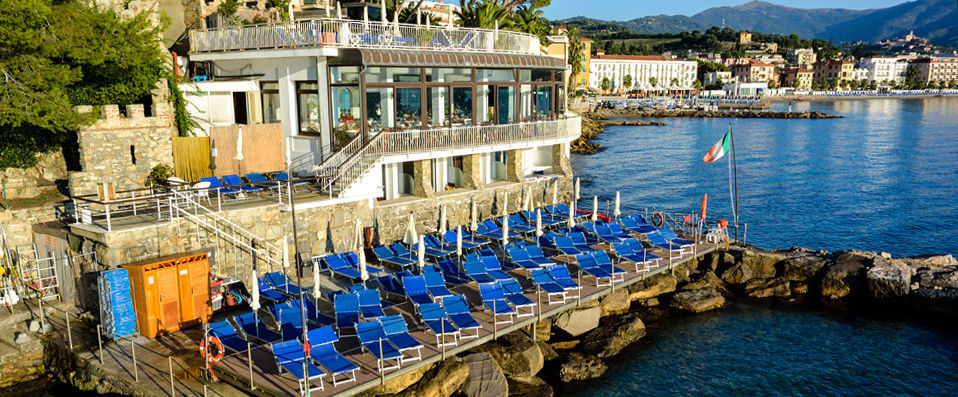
576,345
594,123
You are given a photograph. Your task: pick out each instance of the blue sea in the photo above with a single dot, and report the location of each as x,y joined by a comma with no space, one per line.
884,177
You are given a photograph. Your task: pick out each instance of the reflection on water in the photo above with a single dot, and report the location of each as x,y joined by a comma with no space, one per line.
882,178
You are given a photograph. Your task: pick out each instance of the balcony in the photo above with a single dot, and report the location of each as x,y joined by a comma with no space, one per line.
340,33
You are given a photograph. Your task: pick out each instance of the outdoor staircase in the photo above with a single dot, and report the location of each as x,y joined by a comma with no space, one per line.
347,166
234,245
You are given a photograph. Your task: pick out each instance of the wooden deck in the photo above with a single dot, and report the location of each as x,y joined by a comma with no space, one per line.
265,379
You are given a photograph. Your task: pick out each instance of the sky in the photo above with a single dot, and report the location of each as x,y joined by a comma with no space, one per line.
622,10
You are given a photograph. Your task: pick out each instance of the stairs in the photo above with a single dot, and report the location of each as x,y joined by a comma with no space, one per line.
348,165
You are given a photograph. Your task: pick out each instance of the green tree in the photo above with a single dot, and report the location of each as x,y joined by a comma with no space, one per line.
952,83
606,84
772,83
627,81
873,85
796,83
576,53
529,19
674,82
56,55
653,81
697,84
228,8
484,14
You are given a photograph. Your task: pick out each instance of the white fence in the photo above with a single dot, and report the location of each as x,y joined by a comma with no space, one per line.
342,33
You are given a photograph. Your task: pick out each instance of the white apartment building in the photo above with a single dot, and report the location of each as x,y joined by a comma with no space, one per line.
884,68
644,70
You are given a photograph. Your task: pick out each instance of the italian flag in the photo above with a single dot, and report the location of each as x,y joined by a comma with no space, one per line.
719,149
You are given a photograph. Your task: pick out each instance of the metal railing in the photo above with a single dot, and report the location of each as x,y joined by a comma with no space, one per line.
342,33
461,137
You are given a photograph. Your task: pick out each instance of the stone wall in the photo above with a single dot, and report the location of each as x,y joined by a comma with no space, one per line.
35,181
18,224
105,148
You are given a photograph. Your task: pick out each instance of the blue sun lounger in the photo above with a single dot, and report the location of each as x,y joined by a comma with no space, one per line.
291,357
392,283
434,253
450,270
337,266
566,246
605,262
434,316
494,268
283,284
370,305
434,243
416,290
640,258
605,234
513,292
387,257
282,176
477,272
259,179
323,351
587,263
537,255
347,310
235,182
398,333
495,300
554,292
659,241
217,186
457,310
435,283
267,291
580,242
518,224
482,230
374,340
633,226
403,253
291,323
547,221
450,239
560,273
617,231
312,313
252,327
228,336
520,258
671,237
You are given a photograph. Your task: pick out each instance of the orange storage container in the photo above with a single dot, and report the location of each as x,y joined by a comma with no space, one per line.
170,293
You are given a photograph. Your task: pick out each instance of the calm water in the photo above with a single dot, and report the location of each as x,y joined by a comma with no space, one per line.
883,178
754,350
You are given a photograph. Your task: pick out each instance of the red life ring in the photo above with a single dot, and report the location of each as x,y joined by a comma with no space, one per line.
212,340
657,219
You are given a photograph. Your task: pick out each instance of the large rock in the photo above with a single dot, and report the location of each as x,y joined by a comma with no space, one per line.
846,277
938,278
942,301
544,330
613,336
653,286
887,279
707,279
535,387
442,381
576,322
737,274
936,261
578,366
616,302
398,384
697,301
548,353
767,288
517,354
485,377
803,268
762,263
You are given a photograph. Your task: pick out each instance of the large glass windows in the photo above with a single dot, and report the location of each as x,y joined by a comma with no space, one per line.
270,92
379,109
497,75
345,113
525,104
506,103
486,95
307,96
392,75
408,108
544,102
449,75
437,107
461,105
344,75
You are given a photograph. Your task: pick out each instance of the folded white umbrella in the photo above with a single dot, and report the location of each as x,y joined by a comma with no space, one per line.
572,214
505,204
505,230
316,293
459,240
254,291
528,203
617,212
411,235
285,253
595,208
538,222
442,220
474,215
421,252
577,197
363,274
239,145
555,193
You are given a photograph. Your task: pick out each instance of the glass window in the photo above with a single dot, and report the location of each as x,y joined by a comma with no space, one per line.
525,75
437,107
486,96
408,108
379,109
344,74
307,96
525,107
503,75
461,105
271,109
543,102
392,75
345,115
541,75
506,104
449,75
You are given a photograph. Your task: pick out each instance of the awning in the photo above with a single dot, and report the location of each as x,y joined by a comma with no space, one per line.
452,59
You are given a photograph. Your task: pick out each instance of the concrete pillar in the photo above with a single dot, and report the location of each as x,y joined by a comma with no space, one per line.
472,168
289,115
322,79
422,175
514,166
560,160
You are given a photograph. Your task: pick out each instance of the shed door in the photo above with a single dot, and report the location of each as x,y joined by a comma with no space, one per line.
169,315
187,311
200,280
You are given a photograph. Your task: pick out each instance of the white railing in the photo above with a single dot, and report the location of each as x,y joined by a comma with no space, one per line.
343,33
416,141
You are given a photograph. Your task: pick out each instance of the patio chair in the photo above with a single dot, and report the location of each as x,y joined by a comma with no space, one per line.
560,273
201,191
451,272
347,310
386,256
252,327
370,305
520,258
282,176
228,336
555,293
416,291
398,333
537,256
434,316
235,182
435,283
323,351
374,340
588,265
477,272
514,294
260,180
283,284
337,266
457,310
218,187
494,298
291,357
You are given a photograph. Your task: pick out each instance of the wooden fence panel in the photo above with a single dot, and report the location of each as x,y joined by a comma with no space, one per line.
191,158
262,149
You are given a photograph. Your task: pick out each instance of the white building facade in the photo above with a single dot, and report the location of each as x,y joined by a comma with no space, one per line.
644,70
884,69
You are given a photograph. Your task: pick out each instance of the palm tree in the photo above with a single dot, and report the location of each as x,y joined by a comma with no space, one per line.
606,84
484,15
627,81
529,19
576,49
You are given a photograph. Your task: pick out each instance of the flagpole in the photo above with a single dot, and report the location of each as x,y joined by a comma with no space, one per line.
735,170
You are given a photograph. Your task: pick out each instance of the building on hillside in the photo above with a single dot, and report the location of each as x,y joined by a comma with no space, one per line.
341,93
789,76
774,59
717,77
884,69
801,57
753,71
744,37
438,9
837,70
860,74
666,74
558,47
936,69
770,47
